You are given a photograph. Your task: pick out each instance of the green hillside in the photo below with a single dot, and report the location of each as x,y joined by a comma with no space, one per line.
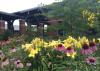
80,17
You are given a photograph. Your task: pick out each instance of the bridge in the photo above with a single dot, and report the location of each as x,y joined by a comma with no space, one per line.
31,16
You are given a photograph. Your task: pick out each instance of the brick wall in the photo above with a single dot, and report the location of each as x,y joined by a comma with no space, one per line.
2,26
22,26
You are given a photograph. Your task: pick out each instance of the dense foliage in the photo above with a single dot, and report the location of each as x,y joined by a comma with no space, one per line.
80,17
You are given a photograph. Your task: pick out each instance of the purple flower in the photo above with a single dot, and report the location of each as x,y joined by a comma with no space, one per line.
12,50
93,46
69,50
2,55
5,62
60,47
91,60
18,64
86,49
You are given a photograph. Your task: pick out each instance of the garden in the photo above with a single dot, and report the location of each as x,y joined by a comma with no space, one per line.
69,45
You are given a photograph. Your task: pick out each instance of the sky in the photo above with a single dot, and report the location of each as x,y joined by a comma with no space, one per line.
11,6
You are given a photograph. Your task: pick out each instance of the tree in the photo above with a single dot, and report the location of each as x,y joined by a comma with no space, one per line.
71,11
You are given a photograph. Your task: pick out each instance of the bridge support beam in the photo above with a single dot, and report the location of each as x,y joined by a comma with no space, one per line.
2,26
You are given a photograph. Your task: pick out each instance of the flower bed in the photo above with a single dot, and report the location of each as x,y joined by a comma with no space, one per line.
70,54
64,55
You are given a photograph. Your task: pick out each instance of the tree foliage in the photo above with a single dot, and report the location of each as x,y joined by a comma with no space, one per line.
71,11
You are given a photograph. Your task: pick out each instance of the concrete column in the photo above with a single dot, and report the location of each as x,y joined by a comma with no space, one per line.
2,26
22,26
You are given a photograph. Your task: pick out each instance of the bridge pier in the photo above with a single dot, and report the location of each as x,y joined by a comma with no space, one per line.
22,26
2,26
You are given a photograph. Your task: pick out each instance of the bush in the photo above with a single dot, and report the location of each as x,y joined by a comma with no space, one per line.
5,36
1,37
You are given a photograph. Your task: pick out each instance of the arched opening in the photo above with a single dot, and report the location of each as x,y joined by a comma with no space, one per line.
16,25
25,23
6,25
